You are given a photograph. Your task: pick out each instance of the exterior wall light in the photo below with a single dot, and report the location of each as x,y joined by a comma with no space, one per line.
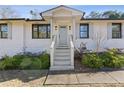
69,27
55,27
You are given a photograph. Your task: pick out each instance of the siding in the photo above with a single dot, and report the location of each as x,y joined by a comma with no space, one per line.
14,44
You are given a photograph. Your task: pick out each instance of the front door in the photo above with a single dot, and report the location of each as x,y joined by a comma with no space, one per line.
63,35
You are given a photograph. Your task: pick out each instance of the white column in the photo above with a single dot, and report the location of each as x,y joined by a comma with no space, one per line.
51,25
72,47
73,33
51,50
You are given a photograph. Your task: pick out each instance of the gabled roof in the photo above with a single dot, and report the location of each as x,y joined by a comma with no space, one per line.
62,6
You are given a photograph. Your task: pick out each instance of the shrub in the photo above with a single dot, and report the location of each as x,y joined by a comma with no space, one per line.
17,59
110,59
6,63
26,61
45,60
92,61
36,63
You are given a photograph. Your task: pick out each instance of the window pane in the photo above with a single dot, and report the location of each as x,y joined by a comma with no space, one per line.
3,31
116,30
35,31
35,28
83,34
84,30
83,27
4,28
42,31
4,34
35,34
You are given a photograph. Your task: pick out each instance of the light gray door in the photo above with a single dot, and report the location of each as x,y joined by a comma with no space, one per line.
63,35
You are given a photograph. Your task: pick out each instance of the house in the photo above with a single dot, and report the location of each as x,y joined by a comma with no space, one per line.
59,31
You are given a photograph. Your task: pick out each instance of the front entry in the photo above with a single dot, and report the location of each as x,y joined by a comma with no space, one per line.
62,35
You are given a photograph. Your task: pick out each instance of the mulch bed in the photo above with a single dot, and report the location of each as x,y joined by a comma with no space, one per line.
80,67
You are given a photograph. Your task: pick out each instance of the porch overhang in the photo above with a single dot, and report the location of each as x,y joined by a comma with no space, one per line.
62,12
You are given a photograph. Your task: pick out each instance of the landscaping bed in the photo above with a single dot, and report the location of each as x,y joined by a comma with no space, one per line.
110,59
25,61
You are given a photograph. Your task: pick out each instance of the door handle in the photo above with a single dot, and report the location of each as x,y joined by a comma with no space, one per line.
59,36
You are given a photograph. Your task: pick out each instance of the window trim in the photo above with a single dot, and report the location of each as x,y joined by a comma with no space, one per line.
38,31
86,24
1,37
120,31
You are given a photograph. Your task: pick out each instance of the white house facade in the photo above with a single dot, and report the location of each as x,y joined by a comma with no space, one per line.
60,31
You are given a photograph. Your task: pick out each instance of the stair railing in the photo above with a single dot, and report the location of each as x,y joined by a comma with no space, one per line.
72,50
52,48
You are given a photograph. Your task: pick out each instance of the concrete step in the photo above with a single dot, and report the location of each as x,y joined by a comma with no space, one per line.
62,60
62,50
60,47
62,57
63,45
62,63
61,54
69,67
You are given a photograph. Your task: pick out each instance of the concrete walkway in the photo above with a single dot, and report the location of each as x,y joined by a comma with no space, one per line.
77,78
40,78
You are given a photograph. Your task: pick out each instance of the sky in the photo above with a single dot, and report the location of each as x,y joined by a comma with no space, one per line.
23,10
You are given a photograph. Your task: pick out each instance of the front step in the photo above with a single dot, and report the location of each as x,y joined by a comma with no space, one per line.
62,50
61,68
62,58
62,62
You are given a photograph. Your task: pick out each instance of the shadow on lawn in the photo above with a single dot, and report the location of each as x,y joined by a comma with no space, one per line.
23,75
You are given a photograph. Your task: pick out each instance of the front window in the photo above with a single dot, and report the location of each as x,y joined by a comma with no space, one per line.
41,31
116,30
3,31
84,30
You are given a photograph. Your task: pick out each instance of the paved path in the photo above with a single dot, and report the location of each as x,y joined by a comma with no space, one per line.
76,78
39,78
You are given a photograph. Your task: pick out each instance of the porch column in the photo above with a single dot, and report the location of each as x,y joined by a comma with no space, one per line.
51,51
73,40
73,24
51,25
